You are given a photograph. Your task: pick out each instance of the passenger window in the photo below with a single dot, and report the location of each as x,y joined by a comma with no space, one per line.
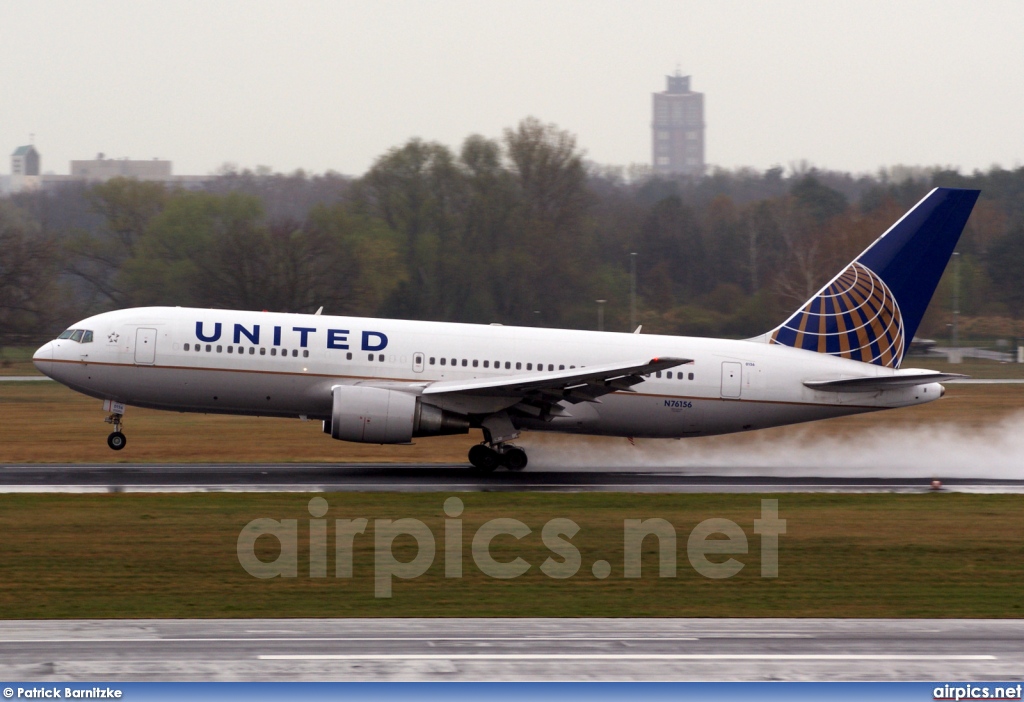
263,351
476,363
561,368
519,366
197,348
370,357
464,362
508,365
66,334
380,357
443,361
87,337
529,366
431,360
571,367
77,335
305,353
273,352
348,356
486,364
186,347
209,348
231,349
658,374
220,348
691,376
668,374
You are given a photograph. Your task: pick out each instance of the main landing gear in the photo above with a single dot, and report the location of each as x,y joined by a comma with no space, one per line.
116,440
495,450
487,458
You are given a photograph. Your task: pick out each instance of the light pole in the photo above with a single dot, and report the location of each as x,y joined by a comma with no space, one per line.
632,291
956,299
600,314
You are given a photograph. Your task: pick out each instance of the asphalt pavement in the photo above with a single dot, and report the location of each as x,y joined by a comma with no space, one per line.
344,477
512,649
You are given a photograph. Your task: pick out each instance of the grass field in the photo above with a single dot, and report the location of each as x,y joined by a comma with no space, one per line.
118,555
17,360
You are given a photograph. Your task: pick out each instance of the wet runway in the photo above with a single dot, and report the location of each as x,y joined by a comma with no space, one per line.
341,477
512,649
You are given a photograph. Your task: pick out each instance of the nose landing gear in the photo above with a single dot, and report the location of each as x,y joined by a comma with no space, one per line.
117,439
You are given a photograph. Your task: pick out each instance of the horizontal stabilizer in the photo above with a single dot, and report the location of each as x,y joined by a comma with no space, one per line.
887,382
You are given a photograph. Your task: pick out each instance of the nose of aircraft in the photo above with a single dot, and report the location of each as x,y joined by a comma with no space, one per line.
42,354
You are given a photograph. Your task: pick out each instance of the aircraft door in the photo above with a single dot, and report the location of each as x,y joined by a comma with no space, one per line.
417,362
732,379
145,346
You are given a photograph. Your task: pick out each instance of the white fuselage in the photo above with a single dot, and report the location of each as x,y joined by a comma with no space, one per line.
263,363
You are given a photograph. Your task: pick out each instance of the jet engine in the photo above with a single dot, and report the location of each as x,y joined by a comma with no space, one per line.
378,416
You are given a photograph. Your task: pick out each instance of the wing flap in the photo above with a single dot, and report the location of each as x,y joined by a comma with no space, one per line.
584,384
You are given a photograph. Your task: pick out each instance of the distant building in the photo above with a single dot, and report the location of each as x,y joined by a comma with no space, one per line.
25,172
103,169
25,161
677,129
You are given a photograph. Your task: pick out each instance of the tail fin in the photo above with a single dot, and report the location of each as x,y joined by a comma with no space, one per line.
872,309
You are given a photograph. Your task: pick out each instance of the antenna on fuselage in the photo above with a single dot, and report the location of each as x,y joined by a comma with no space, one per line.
317,313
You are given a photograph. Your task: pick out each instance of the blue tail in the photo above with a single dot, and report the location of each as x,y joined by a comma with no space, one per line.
872,309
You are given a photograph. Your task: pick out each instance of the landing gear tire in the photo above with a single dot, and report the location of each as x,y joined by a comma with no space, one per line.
484,458
514,458
116,441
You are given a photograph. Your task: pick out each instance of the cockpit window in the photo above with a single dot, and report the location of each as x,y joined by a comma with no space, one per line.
82,336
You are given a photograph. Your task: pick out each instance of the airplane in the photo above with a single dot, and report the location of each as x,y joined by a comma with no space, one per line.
388,381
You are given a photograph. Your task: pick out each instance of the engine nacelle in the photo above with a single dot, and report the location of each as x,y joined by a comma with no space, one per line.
378,416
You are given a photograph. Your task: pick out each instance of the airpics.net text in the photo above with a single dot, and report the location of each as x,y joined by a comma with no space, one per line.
711,537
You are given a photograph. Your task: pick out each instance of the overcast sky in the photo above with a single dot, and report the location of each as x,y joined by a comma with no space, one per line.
332,85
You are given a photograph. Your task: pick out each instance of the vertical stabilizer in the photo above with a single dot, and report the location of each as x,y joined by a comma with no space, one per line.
871,310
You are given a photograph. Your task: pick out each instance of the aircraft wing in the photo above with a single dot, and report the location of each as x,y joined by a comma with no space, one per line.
887,382
583,384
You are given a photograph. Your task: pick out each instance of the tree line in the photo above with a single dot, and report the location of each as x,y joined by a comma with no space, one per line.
516,230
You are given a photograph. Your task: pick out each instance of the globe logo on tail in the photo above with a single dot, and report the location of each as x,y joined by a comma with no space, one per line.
855,316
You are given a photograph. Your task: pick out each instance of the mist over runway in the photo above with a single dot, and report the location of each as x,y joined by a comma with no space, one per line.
370,477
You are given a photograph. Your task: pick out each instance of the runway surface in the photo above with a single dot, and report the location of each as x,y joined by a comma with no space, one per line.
511,649
344,477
